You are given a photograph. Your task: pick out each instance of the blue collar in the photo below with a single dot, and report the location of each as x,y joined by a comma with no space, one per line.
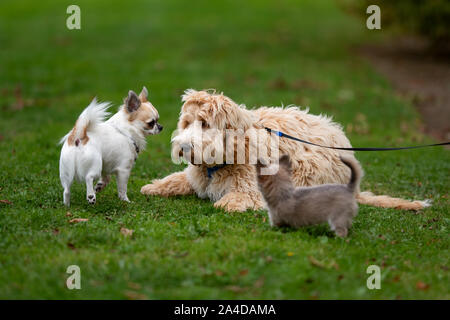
210,171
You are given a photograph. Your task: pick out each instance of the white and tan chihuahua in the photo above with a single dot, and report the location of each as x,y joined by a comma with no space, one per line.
95,148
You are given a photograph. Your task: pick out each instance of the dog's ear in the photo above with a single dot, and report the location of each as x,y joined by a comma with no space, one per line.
132,102
285,161
143,96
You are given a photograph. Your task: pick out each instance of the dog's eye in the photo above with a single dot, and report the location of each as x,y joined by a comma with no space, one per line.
204,124
151,123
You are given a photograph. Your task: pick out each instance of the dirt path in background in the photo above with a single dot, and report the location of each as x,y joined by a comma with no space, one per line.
416,72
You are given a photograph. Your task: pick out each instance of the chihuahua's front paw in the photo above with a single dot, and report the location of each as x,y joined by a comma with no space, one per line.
91,198
124,198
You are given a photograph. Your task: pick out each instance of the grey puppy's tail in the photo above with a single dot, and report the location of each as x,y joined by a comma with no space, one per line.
357,173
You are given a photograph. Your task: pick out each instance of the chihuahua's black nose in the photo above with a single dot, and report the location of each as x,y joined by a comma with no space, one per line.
160,127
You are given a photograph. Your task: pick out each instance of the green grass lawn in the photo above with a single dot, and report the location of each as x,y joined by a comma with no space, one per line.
258,53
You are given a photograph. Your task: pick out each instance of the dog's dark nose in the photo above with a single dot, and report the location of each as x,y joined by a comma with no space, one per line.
160,127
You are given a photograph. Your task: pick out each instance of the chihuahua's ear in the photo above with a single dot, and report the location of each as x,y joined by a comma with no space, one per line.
132,102
144,95
285,161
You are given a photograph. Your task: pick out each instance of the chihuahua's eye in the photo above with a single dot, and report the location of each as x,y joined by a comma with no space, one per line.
204,124
151,123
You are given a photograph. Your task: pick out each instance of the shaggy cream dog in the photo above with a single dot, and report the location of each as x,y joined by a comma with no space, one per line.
234,186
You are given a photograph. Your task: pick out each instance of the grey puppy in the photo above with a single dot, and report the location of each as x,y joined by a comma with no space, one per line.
297,207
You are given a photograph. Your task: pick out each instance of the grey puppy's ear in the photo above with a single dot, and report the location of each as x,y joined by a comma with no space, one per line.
144,94
132,102
285,161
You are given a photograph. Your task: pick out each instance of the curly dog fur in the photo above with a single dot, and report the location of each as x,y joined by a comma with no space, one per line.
234,187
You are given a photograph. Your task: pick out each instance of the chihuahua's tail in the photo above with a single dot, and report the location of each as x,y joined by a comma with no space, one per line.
357,173
94,114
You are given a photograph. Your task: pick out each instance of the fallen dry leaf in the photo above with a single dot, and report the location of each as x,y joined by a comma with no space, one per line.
422,285
76,220
135,286
19,104
243,272
314,295
259,283
307,84
71,245
5,201
132,295
315,262
235,289
126,232
279,83
219,273
68,214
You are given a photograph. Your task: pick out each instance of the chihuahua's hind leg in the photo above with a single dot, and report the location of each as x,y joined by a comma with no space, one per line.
90,194
66,194
122,181
66,177
102,183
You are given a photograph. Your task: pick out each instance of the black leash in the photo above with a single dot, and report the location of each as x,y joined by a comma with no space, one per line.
281,134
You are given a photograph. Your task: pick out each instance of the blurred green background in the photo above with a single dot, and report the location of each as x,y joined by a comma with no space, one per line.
257,53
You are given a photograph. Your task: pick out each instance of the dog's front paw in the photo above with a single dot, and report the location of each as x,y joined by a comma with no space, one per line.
150,189
235,201
158,187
